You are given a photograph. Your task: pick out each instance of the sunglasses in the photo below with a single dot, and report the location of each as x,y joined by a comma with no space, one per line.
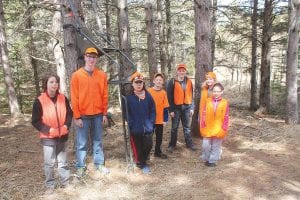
138,82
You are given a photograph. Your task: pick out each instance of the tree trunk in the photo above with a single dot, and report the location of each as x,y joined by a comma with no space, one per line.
11,94
70,41
202,53
124,44
213,30
58,52
292,63
151,41
253,98
264,95
162,41
169,51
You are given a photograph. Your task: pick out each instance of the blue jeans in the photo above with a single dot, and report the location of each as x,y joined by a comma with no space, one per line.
95,124
182,113
52,154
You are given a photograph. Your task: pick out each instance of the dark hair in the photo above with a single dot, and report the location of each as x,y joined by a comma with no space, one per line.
219,85
46,79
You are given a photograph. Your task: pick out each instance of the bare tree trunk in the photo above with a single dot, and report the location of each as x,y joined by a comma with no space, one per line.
151,41
11,94
98,20
202,53
253,98
58,52
213,31
169,51
70,41
124,43
264,95
162,41
292,63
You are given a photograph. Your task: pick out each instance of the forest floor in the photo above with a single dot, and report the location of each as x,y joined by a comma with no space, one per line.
260,160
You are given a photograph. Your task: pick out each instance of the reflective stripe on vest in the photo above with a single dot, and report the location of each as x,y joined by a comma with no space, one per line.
54,115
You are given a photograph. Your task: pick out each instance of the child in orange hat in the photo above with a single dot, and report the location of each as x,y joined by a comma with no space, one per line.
141,120
160,98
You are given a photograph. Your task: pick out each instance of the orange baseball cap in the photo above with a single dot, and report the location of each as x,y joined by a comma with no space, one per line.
181,65
91,50
137,76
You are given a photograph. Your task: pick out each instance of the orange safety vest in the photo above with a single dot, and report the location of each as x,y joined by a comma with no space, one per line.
161,102
54,115
183,96
211,122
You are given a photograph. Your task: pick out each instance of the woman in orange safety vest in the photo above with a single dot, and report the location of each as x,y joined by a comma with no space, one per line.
52,117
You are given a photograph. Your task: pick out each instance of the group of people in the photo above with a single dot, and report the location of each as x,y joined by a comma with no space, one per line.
147,110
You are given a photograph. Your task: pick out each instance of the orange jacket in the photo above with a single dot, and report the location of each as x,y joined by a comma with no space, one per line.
161,102
89,93
214,119
54,115
183,96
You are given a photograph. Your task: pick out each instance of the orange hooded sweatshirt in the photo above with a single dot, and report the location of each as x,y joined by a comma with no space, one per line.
89,93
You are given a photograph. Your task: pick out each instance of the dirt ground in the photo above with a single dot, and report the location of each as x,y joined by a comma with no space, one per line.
261,160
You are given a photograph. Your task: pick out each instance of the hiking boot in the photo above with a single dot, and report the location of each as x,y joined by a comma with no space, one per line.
81,172
102,169
146,169
160,155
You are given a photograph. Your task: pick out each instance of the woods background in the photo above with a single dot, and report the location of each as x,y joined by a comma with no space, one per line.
251,45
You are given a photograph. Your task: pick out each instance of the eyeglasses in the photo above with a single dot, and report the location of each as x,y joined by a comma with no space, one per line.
91,57
138,82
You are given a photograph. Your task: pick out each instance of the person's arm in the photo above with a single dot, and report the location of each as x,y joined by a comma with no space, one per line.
170,94
166,115
36,118
69,114
226,119
75,96
105,96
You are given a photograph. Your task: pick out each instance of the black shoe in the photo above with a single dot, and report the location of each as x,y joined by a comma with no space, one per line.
208,164
161,155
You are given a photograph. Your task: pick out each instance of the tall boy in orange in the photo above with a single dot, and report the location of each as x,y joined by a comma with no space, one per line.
214,121
160,98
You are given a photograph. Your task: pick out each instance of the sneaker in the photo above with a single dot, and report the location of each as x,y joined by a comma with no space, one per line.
160,155
208,164
170,149
146,169
103,169
81,172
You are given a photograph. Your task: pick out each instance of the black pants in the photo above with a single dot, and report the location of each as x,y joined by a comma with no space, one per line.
159,128
141,146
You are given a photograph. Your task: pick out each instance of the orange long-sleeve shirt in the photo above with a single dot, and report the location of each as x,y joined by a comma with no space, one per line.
89,93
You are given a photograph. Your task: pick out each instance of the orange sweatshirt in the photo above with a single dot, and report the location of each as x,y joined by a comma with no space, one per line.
161,102
89,93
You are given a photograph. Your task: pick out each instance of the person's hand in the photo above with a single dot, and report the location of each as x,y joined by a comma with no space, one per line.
104,121
172,114
79,123
164,123
191,113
